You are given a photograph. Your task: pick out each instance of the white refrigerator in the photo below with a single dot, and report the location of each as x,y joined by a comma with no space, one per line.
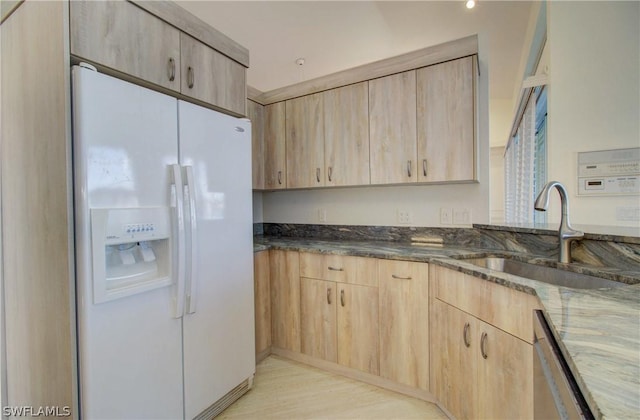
164,253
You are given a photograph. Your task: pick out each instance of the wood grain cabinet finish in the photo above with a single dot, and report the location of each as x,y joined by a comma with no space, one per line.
404,322
262,296
275,155
392,128
37,252
255,112
339,307
285,299
346,135
305,141
477,369
446,124
120,35
211,77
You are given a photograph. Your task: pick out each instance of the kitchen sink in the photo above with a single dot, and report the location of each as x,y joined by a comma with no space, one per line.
545,274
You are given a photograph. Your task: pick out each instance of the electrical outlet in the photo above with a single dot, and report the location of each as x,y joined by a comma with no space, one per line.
322,215
404,217
462,216
445,216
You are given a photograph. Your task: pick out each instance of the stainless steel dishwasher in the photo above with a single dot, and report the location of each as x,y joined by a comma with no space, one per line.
555,392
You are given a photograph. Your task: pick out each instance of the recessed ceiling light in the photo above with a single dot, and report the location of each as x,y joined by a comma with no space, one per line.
470,4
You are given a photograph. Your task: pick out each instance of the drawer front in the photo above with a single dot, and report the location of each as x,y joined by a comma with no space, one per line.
500,306
339,268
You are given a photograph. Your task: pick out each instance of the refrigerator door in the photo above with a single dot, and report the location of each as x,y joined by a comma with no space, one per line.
219,329
130,355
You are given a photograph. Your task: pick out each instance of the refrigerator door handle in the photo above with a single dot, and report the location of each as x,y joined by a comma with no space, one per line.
179,242
192,255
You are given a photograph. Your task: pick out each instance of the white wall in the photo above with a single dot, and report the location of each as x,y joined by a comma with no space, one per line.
378,205
594,96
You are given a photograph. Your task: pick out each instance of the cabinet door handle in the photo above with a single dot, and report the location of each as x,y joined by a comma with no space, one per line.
400,277
190,77
330,172
318,174
329,295
342,297
483,345
335,268
409,168
279,177
465,334
424,167
171,68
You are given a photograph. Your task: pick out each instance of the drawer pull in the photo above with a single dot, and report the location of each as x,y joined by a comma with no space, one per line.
342,297
329,295
335,268
409,168
400,277
424,167
279,177
317,174
330,172
465,334
483,345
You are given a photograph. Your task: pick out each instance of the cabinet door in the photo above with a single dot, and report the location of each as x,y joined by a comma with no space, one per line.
453,360
120,35
505,388
318,318
446,121
346,135
262,294
285,300
211,77
404,322
255,112
358,327
274,146
392,127
305,141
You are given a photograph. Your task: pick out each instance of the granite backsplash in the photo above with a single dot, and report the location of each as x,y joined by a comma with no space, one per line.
596,250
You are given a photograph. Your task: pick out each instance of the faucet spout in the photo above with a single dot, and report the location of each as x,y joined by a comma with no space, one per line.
566,234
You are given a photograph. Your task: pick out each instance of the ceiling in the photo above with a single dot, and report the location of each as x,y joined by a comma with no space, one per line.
338,35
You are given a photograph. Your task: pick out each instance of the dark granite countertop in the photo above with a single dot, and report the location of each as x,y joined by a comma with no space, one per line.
598,330
629,235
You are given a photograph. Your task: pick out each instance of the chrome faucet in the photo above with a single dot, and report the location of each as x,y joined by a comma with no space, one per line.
566,234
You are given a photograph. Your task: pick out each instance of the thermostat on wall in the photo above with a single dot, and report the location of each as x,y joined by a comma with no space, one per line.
609,172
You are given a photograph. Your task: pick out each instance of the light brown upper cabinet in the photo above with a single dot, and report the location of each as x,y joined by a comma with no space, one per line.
446,125
305,141
211,77
124,37
275,157
392,126
346,135
255,112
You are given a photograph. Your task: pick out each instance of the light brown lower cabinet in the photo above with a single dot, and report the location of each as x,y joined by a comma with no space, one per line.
339,323
262,295
477,370
482,352
284,279
404,322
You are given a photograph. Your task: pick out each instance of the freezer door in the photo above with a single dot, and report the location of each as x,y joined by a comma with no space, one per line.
130,355
218,323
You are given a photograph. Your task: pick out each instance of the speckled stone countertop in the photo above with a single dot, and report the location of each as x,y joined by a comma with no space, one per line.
598,330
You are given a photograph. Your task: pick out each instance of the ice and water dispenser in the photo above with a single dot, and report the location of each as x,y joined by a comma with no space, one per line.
131,251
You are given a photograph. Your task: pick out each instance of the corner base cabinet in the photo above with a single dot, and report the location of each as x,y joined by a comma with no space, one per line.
479,370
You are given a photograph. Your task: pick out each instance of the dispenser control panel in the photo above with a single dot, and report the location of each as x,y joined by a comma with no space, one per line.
134,225
609,172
